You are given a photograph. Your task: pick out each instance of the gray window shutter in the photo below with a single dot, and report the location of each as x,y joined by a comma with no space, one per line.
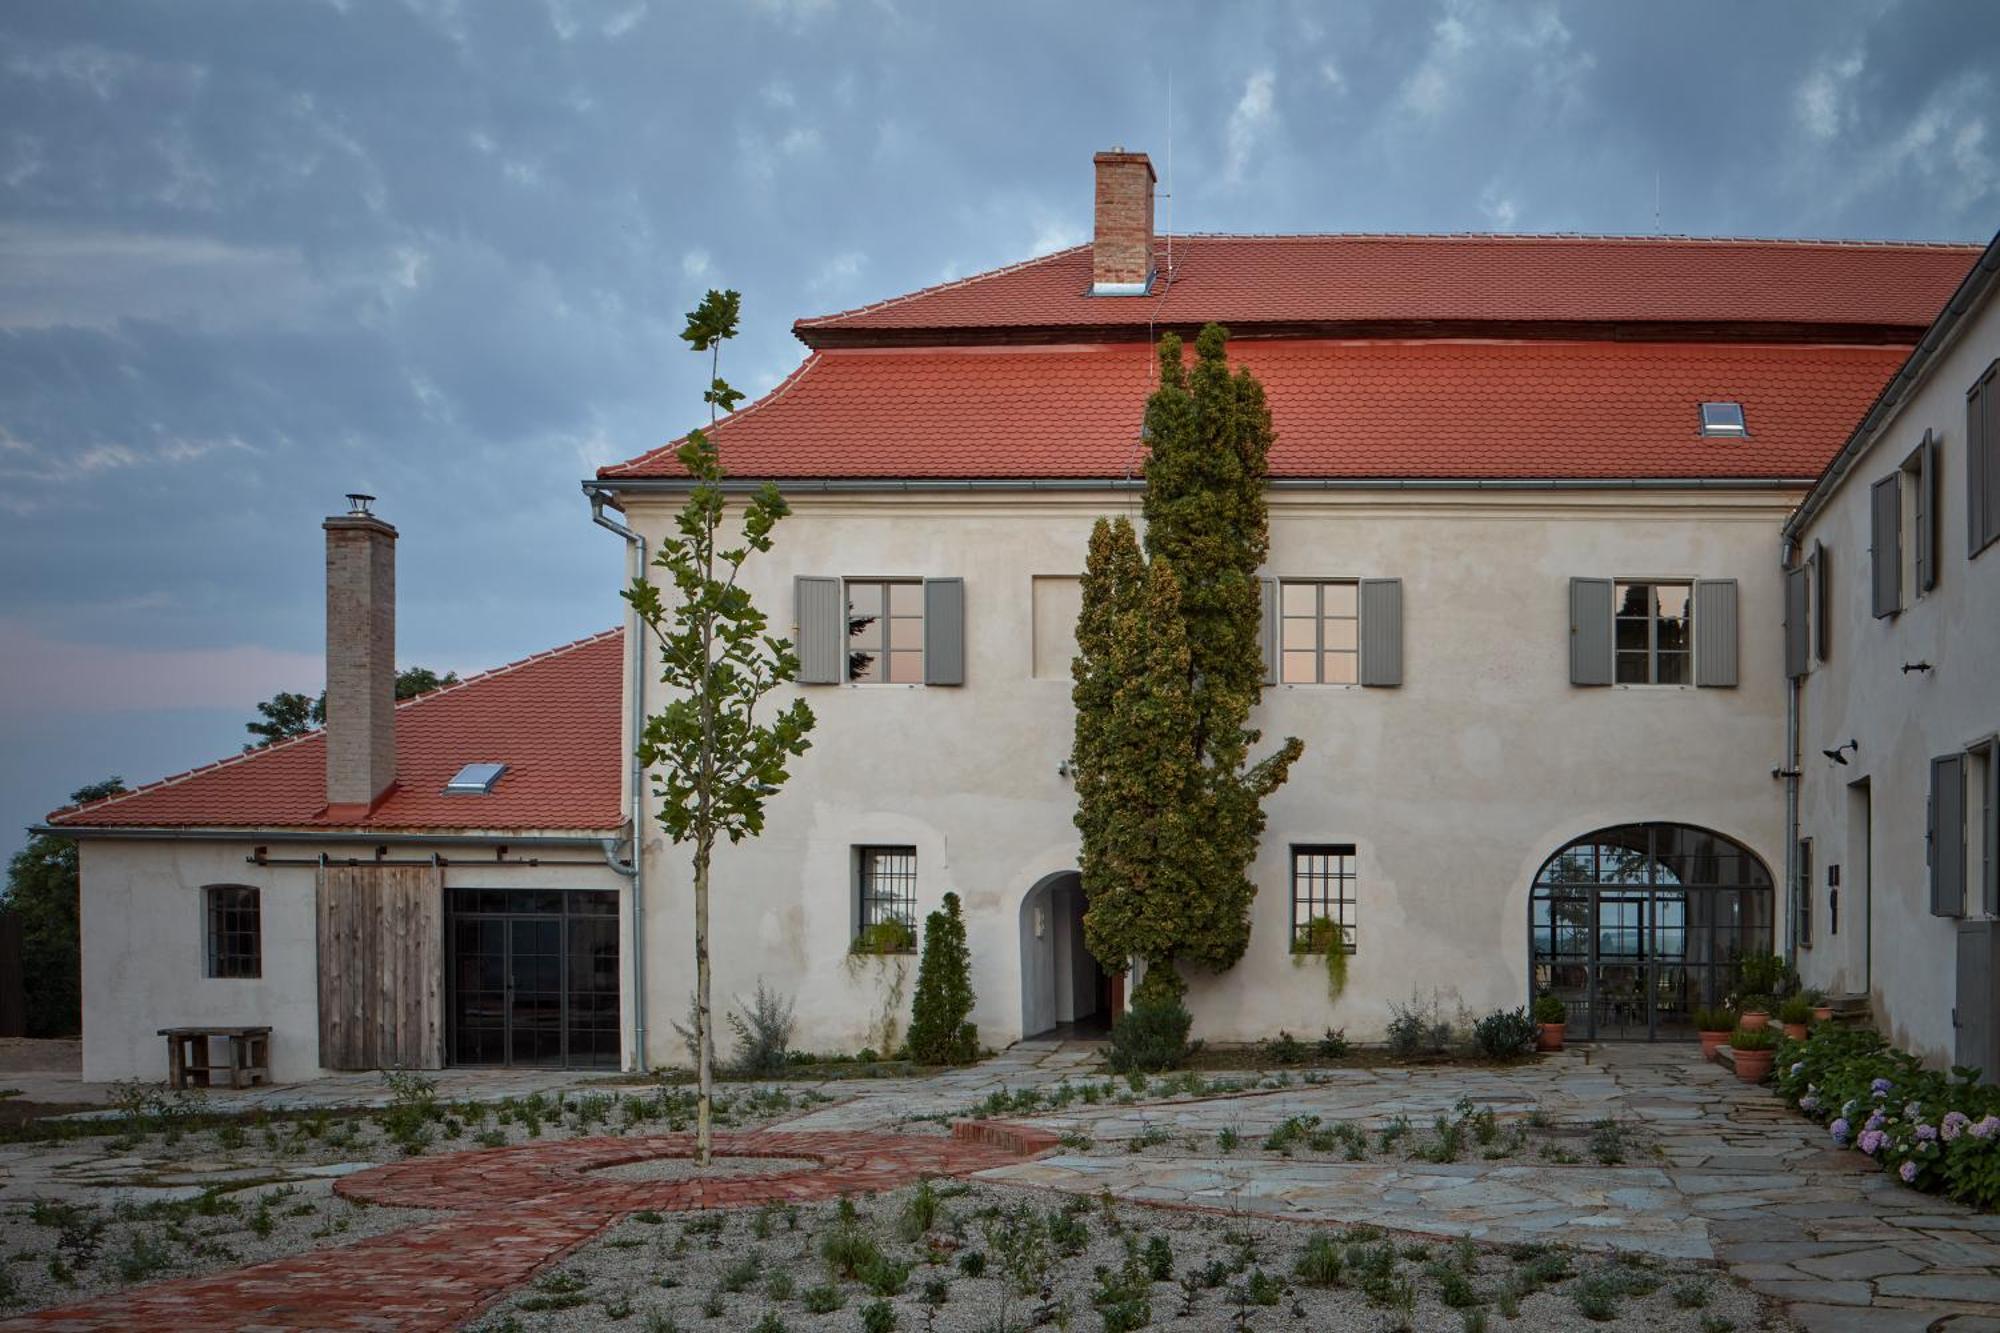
1947,835
1822,600
1977,999
1798,630
1381,631
1885,551
1267,590
1802,895
1989,875
1715,633
1590,631
944,631
822,630
1923,476
1982,461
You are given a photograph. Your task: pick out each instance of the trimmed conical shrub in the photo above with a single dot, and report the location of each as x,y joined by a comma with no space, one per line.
941,1032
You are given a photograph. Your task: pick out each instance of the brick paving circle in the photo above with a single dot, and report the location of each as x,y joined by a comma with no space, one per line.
517,1210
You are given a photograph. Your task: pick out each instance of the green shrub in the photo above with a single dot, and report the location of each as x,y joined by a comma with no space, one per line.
1550,1009
1714,1020
884,937
941,1032
1504,1034
878,1317
823,1299
1418,1028
1753,1039
1796,1009
764,1034
1319,1263
1150,1036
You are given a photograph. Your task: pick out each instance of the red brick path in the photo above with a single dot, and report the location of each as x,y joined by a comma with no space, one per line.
518,1210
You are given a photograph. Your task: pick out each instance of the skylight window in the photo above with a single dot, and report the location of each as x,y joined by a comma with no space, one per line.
1723,419
474,780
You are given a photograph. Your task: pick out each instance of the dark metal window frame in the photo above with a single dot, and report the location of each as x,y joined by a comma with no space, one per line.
1319,618
1652,620
886,879
882,628
482,903
234,919
1324,893
1802,896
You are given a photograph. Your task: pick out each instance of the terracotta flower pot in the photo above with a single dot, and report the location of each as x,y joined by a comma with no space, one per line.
1751,1020
1795,1031
1713,1041
1823,1013
1549,1036
1754,1066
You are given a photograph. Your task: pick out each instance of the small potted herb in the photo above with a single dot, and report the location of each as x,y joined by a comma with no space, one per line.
1754,1012
1551,1018
1754,1049
1822,1008
1713,1026
1795,1013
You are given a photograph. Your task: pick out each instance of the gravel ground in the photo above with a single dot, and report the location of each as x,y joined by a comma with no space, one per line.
721,1168
1468,1138
773,1269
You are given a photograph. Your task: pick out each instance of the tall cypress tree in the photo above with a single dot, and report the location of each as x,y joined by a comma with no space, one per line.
1169,806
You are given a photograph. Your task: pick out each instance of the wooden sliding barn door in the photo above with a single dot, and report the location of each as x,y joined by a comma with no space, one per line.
381,967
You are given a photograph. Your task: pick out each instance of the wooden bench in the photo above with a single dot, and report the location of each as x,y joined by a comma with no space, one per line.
187,1055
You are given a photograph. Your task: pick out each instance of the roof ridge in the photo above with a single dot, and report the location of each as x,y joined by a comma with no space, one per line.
935,287
777,391
319,733
1669,238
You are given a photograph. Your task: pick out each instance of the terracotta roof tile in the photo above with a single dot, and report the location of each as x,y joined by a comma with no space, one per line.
555,719
1342,409
1250,280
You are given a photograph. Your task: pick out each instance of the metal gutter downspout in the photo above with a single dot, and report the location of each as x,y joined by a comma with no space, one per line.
635,868
1787,550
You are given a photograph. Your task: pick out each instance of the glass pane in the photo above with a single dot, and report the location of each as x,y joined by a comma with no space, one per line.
1341,668
1299,599
1300,668
906,599
1632,636
1300,634
1632,669
907,633
864,666
1337,599
1673,667
1672,599
1635,599
906,668
864,599
1344,634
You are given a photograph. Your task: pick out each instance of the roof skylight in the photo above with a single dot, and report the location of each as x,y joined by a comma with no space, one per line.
1723,419
474,780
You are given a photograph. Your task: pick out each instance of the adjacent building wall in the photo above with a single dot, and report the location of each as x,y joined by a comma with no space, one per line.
1902,720
1454,787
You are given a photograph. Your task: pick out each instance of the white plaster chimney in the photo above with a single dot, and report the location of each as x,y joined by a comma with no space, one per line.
360,657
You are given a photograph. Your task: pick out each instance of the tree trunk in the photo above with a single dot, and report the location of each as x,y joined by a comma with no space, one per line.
704,1131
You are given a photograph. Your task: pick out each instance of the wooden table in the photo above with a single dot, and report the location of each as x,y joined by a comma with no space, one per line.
187,1055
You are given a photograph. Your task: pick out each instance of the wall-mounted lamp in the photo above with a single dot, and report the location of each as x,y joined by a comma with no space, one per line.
1062,769
1908,667
1839,752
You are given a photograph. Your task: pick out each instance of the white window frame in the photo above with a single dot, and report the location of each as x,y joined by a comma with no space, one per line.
884,582
1319,618
1619,582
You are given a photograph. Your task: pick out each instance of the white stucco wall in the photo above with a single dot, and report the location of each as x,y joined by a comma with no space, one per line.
1454,787
144,941
1902,720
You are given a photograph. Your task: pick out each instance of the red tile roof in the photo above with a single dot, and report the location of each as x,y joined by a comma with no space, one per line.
1246,281
554,719
1342,409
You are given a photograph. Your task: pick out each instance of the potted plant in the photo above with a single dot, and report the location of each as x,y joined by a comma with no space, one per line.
1795,1013
1754,1011
1713,1026
1822,1008
1551,1018
1754,1050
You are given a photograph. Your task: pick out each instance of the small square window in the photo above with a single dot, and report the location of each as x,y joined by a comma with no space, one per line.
1723,419
888,893
1322,897
235,931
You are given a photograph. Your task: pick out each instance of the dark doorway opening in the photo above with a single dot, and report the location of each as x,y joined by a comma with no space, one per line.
1064,992
533,978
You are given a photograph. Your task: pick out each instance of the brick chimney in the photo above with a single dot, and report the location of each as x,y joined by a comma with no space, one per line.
360,658
1121,249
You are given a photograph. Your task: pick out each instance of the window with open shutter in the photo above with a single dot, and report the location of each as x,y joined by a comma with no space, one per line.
1982,460
1822,602
1381,631
1590,631
1267,605
1920,475
1715,633
1885,550
1947,835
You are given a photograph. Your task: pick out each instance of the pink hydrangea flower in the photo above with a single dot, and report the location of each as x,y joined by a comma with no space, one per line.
1908,1171
1955,1123
1872,1141
1986,1128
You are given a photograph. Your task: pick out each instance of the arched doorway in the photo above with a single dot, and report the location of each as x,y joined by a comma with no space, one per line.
1636,926
1062,987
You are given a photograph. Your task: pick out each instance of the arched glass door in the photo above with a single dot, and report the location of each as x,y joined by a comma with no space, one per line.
1635,927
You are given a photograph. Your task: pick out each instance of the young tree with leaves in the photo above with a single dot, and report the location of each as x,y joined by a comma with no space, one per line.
714,764
1170,807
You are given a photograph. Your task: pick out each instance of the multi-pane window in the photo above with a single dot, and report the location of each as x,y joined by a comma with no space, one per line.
1802,896
1654,638
888,887
1322,890
235,932
1320,632
885,631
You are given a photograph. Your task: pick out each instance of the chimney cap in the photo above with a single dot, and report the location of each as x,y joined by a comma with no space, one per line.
357,505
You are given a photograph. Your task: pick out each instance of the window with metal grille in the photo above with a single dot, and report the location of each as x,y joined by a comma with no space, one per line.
235,931
1802,900
1319,631
1655,636
885,631
1322,890
888,887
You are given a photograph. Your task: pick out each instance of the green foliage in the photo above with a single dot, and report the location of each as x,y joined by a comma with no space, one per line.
1795,1009
941,1032
1419,1027
1150,1036
882,938
1504,1034
42,892
1714,1020
1550,1009
1329,941
287,715
1169,666
1766,974
1753,1039
763,1033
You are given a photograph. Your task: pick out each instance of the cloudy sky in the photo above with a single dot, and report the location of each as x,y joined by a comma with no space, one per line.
254,255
